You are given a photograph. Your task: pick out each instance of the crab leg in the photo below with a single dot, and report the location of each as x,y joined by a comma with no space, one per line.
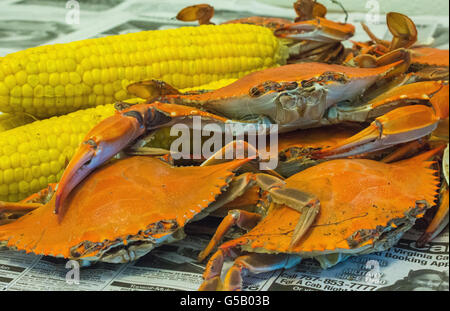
212,272
253,263
404,151
256,263
242,219
400,125
308,205
9,211
318,29
199,12
403,30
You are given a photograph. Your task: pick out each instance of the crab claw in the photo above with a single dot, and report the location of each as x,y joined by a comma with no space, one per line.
103,142
318,29
307,9
398,126
403,29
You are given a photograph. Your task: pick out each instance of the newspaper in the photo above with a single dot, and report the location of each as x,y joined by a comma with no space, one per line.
404,267
28,23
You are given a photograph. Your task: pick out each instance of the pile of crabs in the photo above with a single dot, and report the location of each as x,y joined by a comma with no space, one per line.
362,155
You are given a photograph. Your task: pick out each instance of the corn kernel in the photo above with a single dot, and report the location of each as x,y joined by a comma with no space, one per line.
51,66
74,78
13,188
69,64
24,162
55,167
27,90
16,91
24,187
4,90
27,175
8,176
15,160
4,189
34,186
43,183
5,162
18,174
14,197
59,92
36,171
64,78
10,81
21,77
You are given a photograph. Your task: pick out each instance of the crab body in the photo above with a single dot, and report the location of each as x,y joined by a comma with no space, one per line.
121,211
292,96
365,206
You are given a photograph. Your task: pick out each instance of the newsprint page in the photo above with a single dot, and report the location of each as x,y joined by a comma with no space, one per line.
173,267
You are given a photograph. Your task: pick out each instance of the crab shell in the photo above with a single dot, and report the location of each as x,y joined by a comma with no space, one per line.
295,149
426,56
122,211
365,206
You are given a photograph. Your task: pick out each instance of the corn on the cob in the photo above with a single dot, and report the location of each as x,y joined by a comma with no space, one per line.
56,79
10,121
35,154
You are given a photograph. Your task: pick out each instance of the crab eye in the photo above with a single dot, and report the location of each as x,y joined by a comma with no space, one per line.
308,83
289,86
255,92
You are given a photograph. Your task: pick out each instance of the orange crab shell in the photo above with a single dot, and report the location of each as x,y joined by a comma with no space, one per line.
316,137
270,22
359,200
138,199
289,73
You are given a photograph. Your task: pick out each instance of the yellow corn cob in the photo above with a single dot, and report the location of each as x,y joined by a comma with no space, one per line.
57,79
10,121
34,155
